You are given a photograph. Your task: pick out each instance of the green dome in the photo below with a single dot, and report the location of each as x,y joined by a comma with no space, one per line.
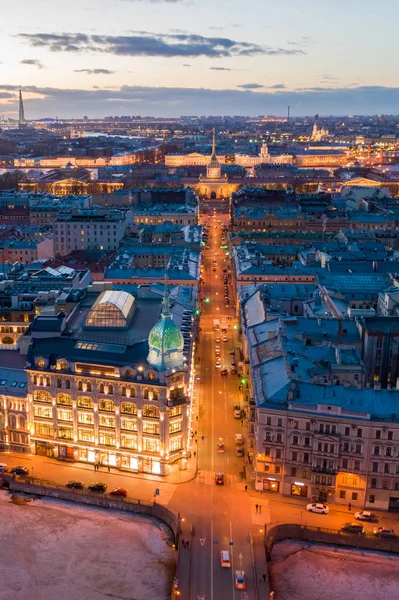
165,336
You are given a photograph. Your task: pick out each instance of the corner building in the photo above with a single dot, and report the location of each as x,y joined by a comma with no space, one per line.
112,383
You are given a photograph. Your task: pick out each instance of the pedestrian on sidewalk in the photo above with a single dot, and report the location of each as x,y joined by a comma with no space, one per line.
246,487
350,506
256,506
182,543
109,469
195,454
196,441
95,467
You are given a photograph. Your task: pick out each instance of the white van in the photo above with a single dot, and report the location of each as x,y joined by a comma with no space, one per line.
238,439
225,558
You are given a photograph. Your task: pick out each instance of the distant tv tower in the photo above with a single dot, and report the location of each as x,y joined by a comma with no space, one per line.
21,116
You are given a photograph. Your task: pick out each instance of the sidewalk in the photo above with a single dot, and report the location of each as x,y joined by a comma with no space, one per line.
176,476
261,577
181,587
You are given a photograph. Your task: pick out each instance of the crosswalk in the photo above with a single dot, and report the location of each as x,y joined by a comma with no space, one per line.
208,478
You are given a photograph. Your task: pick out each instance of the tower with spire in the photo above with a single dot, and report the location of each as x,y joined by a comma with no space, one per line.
213,170
21,112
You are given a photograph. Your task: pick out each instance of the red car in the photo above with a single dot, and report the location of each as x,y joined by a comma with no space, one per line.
224,372
119,491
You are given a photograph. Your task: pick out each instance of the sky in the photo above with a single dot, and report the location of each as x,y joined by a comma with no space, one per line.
199,57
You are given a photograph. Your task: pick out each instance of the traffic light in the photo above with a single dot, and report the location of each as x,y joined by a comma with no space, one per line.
243,381
198,312
207,300
235,326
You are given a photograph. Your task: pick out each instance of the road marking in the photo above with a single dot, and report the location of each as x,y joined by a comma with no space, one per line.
240,557
202,541
211,560
232,558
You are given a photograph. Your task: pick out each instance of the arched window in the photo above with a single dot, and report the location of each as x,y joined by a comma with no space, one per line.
42,396
62,365
64,399
13,421
128,408
107,405
59,382
123,390
132,392
48,381
101,388
80,385
88,386
22,422
150,411
34,379
85,402
110,389
67,384
155,395
41,381
40,363
23,407
146,394
129,373
151,375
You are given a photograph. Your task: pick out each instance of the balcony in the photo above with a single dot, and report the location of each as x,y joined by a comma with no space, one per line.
325,470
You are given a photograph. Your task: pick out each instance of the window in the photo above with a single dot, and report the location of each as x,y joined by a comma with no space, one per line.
279,422
386,468
175,427
44,429
277,470
354,496
43,412
344,463
307,426
371,498
129,442
88,386
373,483
307,441
106,405
278,453
64,415
358,449
305,473
129,424
41,363
107,439
342,494
268,420
41,396
123,390
376,451
390,435
306,458
296,424
268,436
347,430
132,392
150,445
59,382
105,421
293,471
295,440
151,375
346,447
356,465
176,411
266,468
151,411
101,388
64,399
374,467
128,408
85,402
378,434
86,418
65,433
388,451
385,484
151,427
175,444
294,456
360,432
67,384
279,438
110,389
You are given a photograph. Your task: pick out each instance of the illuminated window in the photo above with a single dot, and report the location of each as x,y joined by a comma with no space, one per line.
150,411
41,363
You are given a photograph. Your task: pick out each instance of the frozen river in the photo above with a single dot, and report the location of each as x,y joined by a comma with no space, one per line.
58,550
301,571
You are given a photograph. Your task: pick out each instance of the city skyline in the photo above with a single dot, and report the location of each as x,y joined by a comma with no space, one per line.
174,57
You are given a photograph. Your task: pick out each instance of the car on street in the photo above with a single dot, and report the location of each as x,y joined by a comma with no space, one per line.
218,364
238,439
384,532
225,338
352,528
219,479
239,451
237,412
97,486
3,468
240,580
366,515
119,491
20,470
225,559
224,372
75,485
217,340
220,446
318,508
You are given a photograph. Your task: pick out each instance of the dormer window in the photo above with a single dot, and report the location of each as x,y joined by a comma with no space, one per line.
62,365
41,363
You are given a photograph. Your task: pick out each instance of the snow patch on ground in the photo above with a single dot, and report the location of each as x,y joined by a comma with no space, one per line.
52,549
301,570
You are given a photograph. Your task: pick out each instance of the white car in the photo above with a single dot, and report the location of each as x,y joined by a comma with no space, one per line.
316,507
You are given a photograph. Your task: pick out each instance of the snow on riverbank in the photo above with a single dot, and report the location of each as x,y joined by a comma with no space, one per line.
58,550
301,570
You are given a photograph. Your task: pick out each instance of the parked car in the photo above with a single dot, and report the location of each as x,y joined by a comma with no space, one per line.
352,528
3,468
219,479
366,515
240,580
119,491
318,508
75,485
98,486
384,532
237,412
20,470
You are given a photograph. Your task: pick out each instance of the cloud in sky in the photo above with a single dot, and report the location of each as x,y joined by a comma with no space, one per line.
33,62
250,86
143,43
220,69
277,86
95,71
176,101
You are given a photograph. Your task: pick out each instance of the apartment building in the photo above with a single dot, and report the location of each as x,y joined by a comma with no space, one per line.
89,229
